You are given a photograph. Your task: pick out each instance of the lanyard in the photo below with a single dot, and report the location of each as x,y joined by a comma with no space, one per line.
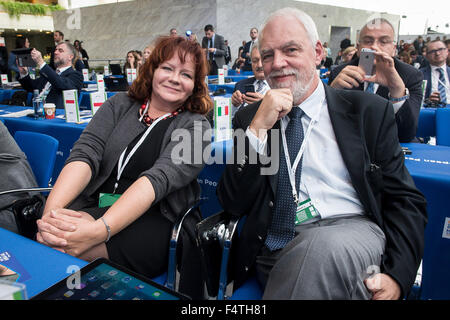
122,164
293,168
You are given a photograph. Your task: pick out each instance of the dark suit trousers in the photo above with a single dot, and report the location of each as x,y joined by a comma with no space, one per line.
213,68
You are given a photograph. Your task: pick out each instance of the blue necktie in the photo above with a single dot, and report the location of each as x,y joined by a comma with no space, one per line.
281,231
441,87
370,88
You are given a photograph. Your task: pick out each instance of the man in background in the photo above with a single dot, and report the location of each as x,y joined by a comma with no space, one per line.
51,83
252,89
394,80
437,73
248,49
58,37
214,45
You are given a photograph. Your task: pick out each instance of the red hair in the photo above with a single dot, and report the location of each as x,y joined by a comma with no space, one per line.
165,48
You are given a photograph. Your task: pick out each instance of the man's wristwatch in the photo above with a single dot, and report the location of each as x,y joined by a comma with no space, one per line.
395,100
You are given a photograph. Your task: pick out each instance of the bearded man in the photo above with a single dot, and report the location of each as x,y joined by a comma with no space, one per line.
341,218
51,83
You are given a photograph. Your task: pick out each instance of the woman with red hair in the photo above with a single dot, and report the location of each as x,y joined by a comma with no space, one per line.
123,185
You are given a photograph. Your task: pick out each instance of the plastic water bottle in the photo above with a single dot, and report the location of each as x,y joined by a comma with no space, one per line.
38,105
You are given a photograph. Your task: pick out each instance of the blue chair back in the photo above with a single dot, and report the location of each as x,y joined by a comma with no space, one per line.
443,126
40,150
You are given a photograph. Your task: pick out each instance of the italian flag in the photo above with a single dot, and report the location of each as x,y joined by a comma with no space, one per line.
222,111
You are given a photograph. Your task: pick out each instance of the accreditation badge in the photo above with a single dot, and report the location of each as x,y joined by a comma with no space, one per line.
305,211
107,199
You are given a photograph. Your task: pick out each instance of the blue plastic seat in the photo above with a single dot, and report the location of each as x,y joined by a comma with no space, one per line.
40,150
443,126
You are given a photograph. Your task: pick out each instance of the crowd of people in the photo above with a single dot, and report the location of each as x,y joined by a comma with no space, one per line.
336,149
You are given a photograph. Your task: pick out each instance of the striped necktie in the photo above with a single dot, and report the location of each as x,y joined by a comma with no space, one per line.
259,85
370,87
441,87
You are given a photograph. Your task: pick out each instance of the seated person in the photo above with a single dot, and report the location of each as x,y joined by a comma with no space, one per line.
348,54
393,80
128,150
331,210
51,83
437,73
132,62
241,97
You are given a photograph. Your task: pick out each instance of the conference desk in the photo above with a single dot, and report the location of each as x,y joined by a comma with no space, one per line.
430,168
66,133
38,266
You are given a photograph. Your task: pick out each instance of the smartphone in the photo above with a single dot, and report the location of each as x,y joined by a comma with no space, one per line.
249,88
23,56
366,61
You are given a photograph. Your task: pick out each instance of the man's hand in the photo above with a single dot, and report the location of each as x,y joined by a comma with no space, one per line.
348,78
274,106
386,75
252,97
37,57
236,98
435,97
383,287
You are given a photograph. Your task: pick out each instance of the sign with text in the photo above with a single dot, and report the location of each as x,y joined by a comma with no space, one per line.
97,99
222,119
4,78
100,83
221,76
71,105
85,74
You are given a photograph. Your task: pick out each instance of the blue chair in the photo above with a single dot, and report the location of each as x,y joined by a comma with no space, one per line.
222,233
443,126
40,150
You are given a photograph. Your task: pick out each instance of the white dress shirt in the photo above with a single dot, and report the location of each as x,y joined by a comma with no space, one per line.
435,79
324,178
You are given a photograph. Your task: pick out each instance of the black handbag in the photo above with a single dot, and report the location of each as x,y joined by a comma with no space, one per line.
27,211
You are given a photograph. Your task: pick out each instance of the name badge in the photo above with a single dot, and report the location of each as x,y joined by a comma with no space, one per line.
107,199
305,211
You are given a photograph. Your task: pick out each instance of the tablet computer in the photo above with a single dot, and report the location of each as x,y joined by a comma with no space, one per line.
105,280
24,57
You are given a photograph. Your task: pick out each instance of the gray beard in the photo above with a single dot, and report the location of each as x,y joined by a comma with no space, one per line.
299,88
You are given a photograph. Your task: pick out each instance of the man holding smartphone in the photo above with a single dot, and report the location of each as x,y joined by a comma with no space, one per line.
253,89
391,79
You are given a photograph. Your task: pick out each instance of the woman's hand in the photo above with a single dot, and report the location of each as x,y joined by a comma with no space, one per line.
70,231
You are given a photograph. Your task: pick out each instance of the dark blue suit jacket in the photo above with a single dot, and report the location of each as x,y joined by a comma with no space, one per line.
240,85
407,117
69,79
248,61
427,76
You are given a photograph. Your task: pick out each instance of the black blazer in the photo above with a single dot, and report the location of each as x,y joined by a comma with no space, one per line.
248,61
365,130
407,117
69,79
